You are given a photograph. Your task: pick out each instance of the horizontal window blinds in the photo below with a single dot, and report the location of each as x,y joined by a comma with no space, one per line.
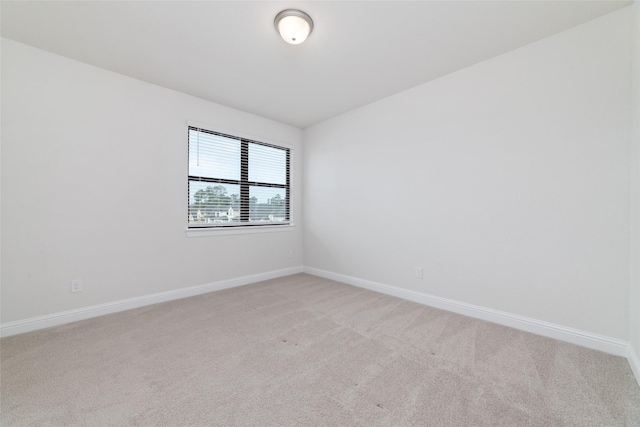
236,182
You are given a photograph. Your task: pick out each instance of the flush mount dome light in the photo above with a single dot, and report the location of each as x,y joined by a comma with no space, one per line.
293,25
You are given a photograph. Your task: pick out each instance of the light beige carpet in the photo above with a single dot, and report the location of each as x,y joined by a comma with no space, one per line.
305,351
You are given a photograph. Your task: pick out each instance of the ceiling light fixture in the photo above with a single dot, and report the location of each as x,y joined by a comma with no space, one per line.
293,25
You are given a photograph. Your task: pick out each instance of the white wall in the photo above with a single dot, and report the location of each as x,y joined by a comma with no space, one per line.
94,169
508,182
634,320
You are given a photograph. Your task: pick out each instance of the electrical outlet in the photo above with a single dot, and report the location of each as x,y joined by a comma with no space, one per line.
418,272
76,285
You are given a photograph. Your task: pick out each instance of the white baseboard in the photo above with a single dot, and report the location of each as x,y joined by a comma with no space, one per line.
41,322
634,362
563,333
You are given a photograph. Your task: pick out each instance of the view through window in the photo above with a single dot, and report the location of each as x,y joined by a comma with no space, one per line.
234,181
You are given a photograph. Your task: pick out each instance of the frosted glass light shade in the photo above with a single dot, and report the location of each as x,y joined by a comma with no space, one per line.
293,25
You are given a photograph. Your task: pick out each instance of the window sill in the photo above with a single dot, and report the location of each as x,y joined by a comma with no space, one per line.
225,231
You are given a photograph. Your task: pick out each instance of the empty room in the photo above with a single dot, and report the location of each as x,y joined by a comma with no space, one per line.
320,213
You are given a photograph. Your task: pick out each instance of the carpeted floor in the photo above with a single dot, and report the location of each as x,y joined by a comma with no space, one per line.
305,351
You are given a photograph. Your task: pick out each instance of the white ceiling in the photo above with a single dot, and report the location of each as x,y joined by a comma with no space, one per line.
229,52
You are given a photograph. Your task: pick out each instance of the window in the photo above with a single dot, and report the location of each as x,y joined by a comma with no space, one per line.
235,181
